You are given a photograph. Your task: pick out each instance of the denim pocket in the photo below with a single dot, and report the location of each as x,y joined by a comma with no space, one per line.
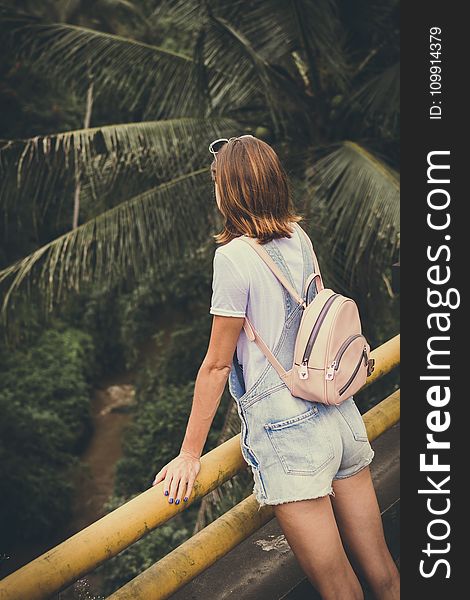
301,443
353,418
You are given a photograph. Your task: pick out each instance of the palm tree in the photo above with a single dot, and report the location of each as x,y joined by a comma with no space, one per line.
318,79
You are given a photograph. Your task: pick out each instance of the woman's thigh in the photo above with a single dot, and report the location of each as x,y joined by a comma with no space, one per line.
311,530
358,517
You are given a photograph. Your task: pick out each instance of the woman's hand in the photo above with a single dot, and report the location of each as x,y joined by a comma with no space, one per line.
179,476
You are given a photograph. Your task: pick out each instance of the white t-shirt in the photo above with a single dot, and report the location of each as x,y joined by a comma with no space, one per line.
244,285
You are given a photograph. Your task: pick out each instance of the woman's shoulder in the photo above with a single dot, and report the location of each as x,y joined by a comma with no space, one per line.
235,258
235,249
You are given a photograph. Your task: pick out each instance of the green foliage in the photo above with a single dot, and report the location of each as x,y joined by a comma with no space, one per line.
98,312
44,402
155,435
164,393
166,301
181,353
121,320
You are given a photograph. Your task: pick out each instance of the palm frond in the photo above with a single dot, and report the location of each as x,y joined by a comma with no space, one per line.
359,199
158,81
35,168
232,74
247,55
316,30
154,228
255,71
379,98
257,21
381,16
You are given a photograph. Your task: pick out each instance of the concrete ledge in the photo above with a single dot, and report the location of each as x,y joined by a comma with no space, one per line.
263,566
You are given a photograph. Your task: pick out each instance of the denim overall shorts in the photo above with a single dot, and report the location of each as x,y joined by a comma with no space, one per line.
294,447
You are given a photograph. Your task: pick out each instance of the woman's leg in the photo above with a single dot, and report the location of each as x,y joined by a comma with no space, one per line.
358,516
310,528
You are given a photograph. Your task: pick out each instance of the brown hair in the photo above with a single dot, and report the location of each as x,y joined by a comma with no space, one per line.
254,191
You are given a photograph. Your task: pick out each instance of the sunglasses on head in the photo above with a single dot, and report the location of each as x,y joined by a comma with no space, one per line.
216,145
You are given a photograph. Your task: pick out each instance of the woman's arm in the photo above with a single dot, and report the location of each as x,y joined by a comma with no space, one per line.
179,475
210,382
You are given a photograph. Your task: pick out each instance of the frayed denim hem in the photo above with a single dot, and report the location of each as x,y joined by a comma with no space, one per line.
262,502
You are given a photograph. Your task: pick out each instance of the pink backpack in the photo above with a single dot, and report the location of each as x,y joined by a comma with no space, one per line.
331,357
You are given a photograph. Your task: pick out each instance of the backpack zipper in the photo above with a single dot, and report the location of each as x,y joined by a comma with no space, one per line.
303,370
330,372
351,379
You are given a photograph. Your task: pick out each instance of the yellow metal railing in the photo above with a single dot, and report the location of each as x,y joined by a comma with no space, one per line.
184,563
57,568
387,357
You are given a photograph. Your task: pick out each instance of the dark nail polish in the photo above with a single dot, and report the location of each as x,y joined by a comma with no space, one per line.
171,500
166,492
186,499
177,501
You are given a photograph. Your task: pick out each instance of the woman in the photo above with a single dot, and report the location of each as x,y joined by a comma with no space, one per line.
313,466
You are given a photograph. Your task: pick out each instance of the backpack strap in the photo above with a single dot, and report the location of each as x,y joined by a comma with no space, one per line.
317,272
250,331
253,336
